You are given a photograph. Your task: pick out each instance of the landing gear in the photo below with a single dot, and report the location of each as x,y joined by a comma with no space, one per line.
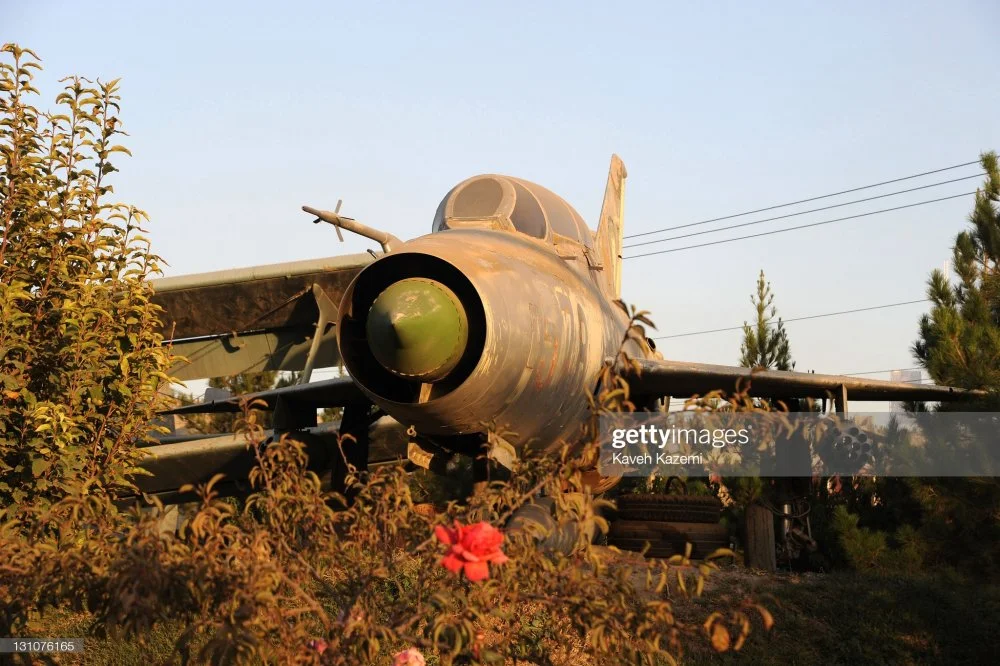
352,453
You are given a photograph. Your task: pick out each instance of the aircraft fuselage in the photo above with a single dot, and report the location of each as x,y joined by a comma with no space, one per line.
540,328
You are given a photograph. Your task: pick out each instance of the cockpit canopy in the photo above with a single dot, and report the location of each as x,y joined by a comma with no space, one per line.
512,204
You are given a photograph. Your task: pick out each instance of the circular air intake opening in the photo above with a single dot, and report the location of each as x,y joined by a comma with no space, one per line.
392,289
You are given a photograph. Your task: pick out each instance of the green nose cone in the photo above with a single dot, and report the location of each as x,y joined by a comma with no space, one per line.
417,328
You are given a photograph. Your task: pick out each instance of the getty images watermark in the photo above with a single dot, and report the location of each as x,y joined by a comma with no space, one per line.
800,444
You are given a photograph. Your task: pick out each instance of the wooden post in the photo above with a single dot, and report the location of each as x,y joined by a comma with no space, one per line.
840,401
759,550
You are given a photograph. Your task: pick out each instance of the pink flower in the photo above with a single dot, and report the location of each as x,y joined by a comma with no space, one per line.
317,644
472,548
409,657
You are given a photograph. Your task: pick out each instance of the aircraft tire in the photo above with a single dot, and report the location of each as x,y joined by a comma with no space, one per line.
670,508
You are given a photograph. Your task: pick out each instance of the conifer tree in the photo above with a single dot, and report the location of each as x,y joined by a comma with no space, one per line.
959,341
765,343
959,345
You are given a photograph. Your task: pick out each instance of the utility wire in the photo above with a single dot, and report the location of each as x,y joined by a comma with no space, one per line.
800,201
816,316
801,226
803,212
878,372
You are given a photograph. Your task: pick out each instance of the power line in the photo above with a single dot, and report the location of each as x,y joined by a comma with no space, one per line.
801,226
816,316
800,201
782,217
878,372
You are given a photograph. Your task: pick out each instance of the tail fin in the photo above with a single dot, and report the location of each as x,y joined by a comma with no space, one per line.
611,227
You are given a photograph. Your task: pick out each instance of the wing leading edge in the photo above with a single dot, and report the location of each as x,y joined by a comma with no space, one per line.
274,317
680,379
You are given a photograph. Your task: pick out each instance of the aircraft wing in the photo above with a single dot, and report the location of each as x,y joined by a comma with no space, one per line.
254,319
336,392
680,379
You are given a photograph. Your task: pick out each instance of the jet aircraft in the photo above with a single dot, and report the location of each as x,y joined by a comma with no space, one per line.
503,316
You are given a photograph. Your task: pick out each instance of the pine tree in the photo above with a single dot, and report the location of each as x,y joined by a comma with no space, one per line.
765,343
959,342
959,345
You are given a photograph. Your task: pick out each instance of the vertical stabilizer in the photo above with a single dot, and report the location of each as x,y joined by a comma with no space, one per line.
610,227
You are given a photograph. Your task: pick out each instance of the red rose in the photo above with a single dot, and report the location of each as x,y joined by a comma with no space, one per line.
472,547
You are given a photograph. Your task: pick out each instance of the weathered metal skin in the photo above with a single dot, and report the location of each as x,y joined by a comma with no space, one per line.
260,298
253,319
547,328
195,460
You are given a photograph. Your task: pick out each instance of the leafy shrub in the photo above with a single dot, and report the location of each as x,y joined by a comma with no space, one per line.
80,350
366,581
873,550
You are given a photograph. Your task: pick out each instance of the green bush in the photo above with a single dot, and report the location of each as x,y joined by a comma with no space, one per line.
902,551
81,359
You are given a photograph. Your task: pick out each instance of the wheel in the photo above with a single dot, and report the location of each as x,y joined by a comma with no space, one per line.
668,538
670,508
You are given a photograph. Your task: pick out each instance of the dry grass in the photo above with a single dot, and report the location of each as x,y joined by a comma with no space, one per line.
851,618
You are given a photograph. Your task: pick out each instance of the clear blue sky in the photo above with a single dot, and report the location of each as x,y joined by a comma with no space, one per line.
241,112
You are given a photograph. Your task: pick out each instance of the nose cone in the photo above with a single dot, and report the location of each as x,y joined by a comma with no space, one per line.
417,328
